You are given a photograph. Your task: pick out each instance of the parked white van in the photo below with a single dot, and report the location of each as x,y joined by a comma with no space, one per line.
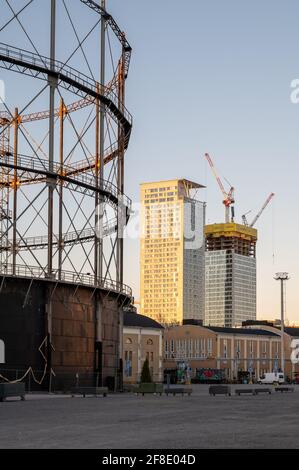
272,378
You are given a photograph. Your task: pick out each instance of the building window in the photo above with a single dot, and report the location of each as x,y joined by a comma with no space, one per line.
190,348
238,349
2,352
196,353
210,346
225,348
129,341
251,349
202,347
128,363
150,342
264,349
276,350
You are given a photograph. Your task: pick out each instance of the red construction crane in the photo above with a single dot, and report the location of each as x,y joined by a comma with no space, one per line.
228,196
259,214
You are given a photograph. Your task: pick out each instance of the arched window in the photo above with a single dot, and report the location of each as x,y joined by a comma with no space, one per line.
129,341
149,342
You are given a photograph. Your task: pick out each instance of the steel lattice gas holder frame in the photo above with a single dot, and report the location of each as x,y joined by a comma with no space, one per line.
63,210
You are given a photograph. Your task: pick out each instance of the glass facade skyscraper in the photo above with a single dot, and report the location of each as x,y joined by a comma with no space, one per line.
172,252
230,275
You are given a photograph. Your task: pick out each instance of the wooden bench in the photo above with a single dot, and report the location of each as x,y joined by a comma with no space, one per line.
241,391
178,390
263,390
219,390
284,389
95,391
12,390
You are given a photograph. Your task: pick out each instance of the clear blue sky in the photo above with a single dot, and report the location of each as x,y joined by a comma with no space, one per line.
215,76
212,77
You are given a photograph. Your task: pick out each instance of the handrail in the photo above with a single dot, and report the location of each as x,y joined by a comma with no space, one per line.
46,65
40,166
41,241
65,276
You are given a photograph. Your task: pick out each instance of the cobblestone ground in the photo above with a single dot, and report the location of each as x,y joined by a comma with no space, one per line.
126,421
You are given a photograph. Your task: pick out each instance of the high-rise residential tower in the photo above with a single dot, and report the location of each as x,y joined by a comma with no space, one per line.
172,251
230,275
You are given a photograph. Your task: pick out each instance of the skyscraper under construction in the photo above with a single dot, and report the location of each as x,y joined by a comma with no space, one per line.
230,274
230,264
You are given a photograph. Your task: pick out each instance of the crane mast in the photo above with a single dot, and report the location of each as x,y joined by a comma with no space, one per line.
228,197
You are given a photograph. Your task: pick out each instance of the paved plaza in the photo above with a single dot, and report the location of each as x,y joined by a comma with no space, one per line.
126,421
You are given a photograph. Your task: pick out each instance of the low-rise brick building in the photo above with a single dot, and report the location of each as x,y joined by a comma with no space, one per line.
255,349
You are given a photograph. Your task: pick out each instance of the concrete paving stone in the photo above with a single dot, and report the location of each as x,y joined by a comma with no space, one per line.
127,421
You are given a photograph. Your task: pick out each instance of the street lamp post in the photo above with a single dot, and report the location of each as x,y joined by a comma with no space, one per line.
282,277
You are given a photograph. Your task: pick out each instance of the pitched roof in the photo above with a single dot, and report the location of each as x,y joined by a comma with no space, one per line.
241,331
292,330
140,321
